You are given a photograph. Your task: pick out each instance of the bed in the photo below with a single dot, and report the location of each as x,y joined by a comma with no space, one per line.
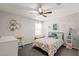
50,43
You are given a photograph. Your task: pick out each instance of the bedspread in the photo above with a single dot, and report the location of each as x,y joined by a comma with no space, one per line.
49,45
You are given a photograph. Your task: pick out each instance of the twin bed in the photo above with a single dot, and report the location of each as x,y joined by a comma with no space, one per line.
50,43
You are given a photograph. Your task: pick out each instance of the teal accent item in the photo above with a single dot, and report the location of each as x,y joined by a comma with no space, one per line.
69,35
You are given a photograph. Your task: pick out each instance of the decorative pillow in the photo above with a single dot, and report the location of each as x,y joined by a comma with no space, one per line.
53,35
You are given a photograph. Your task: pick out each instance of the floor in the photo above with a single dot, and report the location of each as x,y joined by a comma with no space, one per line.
28,50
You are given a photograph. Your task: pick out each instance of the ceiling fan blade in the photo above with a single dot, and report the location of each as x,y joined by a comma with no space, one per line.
40,10
48,12
44,15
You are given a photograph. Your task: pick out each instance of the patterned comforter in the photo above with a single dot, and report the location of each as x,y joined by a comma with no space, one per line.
49,45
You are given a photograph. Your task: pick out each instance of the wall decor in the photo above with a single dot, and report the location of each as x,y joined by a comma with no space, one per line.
14,25
54,26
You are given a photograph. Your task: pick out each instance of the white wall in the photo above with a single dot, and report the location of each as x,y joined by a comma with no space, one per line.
27,26
64,23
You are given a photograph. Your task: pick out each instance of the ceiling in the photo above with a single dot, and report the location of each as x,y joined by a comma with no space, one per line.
25,9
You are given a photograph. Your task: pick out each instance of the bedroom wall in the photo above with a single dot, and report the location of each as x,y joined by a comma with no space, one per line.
27,26
64,23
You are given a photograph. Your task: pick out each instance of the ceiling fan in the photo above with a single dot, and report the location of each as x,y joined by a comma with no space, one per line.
43,12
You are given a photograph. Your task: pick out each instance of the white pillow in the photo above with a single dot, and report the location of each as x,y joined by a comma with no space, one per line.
39,36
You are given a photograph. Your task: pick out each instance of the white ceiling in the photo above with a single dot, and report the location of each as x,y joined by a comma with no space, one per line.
25,9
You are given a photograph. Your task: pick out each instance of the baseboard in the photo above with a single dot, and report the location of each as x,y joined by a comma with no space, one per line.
72,47
28,43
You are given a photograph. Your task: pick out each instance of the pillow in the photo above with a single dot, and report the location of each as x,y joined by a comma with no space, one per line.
56,35
53,35
60,35
39,36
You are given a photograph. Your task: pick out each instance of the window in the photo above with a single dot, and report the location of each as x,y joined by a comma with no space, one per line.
38,28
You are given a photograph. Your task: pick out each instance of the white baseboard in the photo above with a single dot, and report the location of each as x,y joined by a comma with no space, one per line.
27,43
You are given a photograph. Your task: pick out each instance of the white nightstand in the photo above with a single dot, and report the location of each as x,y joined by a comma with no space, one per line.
20,40
69,43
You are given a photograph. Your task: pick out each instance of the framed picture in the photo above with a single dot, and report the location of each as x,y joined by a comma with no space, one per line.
54,26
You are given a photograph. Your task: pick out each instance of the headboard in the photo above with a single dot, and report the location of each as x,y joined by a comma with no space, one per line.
60,35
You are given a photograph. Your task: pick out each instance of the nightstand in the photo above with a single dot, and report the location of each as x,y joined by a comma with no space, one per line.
20,39
69,44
